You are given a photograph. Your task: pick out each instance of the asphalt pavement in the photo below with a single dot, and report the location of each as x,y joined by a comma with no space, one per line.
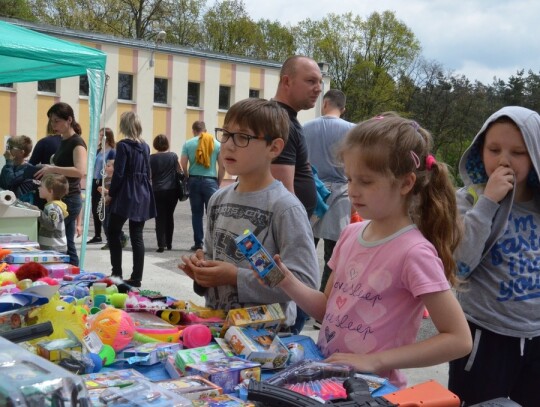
161,274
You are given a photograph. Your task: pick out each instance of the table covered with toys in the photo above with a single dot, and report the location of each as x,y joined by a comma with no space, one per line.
75,338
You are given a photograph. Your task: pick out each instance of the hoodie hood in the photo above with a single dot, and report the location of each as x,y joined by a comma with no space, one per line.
135,145
471,167
63,206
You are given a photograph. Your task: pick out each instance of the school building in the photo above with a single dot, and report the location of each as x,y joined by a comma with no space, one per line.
168,86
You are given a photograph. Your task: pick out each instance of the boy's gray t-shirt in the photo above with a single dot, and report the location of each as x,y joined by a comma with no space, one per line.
280,222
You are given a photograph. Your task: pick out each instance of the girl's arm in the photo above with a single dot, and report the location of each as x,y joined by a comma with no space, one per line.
312,301
453,341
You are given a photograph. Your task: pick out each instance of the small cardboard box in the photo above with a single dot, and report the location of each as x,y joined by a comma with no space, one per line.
13,238
51,350
223,400
150,353
227,373
211,352
116,378
258,345
21,256
269,316
192,387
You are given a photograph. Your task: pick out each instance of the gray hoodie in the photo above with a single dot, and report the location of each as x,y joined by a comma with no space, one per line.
499,257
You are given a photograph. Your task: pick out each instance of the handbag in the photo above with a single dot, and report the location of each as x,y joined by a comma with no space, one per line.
183,189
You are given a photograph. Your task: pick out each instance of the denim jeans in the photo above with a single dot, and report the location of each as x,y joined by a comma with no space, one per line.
328,250
200,191
116,222
74,205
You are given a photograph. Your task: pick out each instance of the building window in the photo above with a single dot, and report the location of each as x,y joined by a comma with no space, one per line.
125,86
160,90
48,86
254,93
84,89
194,94
7,85
224,97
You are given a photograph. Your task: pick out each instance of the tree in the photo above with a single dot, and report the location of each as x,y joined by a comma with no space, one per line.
277,42
183,22
17,9
229,29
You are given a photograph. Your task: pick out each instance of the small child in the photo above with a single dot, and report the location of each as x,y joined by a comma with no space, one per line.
104,190
16,175
386,269
52,231
254,133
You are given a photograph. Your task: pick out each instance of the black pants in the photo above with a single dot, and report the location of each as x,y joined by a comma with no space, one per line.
498,366
96,196
166,202
116,222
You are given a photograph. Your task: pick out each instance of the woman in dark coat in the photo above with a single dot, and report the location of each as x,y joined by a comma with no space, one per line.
130,196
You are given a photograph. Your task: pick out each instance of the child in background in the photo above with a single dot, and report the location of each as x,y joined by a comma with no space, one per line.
386,269
15,174
52,231
104,191
498,260
254,133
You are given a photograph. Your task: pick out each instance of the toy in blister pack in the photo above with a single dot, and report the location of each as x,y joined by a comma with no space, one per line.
259,258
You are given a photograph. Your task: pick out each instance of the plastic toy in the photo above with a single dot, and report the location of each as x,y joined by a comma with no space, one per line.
194,336
259,258
62,315
114,327
8,277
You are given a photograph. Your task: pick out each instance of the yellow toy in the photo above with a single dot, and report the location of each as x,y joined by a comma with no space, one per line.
63,315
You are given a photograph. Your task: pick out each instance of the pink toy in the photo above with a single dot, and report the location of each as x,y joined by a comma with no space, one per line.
114,327
194,336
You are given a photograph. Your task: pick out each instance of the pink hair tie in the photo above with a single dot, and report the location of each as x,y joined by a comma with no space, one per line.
430,160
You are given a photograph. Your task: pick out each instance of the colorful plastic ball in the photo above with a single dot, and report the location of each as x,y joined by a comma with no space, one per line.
194,336
114,327
107,355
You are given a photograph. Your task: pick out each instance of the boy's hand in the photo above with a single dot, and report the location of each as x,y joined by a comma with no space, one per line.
189,262
500,182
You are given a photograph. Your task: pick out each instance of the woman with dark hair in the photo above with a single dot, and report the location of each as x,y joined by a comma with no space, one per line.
130,196
202,154
164,165
104,153
69,160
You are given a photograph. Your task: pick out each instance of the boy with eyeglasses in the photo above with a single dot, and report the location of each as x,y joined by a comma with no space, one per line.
17,174
253,135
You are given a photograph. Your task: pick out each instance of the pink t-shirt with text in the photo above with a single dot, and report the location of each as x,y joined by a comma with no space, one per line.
374,304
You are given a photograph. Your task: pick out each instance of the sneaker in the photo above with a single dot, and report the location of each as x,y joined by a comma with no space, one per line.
133,283
106,247
317,325
195,247
95,239
125,240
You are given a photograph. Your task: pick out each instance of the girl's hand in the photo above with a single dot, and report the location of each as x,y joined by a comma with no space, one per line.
500,182
362,363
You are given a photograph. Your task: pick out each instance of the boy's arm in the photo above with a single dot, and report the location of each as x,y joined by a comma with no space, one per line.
476,212
50,219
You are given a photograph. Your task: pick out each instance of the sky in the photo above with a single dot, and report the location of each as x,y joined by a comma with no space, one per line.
480,39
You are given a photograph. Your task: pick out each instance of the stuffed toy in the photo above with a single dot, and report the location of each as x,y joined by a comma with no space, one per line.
32,270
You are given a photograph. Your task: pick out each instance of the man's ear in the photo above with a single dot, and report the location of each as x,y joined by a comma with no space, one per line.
276,147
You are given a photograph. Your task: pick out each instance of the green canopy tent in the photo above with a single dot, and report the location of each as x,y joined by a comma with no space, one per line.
27,56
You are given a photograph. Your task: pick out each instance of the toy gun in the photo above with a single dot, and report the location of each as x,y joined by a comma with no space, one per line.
358,395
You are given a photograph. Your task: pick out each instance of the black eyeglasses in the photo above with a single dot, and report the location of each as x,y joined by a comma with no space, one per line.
239,139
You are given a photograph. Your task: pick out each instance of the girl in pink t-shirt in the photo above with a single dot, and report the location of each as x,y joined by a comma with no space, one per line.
385,270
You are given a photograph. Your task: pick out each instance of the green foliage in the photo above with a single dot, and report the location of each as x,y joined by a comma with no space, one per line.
17,9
